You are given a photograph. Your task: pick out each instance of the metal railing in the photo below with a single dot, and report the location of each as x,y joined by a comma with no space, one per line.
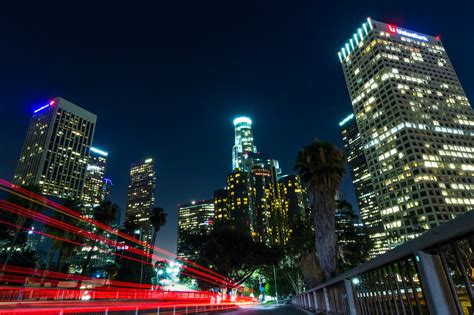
432,274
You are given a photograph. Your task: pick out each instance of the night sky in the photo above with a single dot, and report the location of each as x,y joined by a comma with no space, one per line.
166,80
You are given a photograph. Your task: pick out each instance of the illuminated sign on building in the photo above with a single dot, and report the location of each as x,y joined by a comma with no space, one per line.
45,106
400,31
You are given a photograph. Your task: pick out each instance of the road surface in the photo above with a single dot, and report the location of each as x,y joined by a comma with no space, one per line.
267,310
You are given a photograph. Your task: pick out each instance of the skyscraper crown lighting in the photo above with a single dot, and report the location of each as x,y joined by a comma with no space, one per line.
243,141
242,119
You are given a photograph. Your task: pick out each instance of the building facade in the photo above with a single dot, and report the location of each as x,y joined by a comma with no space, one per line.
269,218
106,189
362,181
195,218
240,200
243,141
294,197
56,149
141,197
416,126
93,193
220,204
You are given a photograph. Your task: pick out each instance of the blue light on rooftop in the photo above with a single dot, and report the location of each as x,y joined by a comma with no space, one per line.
98,151
345,120
51,103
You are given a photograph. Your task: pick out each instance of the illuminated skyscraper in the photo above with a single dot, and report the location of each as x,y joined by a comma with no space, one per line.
94,181
194,218
56,149
243,141
362,181
240,198
269,218
415,124
141,197
294,197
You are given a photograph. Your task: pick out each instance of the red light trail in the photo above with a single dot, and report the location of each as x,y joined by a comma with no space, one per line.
21,192
26,293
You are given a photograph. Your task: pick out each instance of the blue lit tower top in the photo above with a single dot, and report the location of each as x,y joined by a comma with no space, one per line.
243,141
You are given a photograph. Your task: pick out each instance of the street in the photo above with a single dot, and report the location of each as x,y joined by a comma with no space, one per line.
273,309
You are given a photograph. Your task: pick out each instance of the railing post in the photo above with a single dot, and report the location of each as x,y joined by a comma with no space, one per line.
350,297
435,284
326,299
315,299
311,301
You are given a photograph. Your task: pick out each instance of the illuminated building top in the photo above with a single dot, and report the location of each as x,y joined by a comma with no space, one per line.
242,120
345,120
100,152
358,39
56,149
243,141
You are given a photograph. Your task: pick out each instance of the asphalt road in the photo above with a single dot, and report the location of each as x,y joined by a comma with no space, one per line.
267,310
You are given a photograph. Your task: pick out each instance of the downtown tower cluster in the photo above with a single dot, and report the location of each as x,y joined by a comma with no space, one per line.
256,198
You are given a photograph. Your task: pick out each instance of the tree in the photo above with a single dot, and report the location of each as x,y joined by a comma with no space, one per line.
16,237
353,241
66,249
300,260
112,270
157,220
232,253
321,167
105,213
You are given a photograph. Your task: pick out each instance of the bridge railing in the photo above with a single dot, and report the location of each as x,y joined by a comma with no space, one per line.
432,274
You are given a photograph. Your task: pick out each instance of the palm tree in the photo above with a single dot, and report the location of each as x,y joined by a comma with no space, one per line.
105,213
20,221
157,220
321,167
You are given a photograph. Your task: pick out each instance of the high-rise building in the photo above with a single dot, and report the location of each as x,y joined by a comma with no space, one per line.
243,141
266,206
220,204
415,124
56,149
195,218
362,181
92,195
106,189
269,218
141,197
240,197
294,197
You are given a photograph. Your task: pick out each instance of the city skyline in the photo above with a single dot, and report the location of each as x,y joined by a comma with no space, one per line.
246,100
